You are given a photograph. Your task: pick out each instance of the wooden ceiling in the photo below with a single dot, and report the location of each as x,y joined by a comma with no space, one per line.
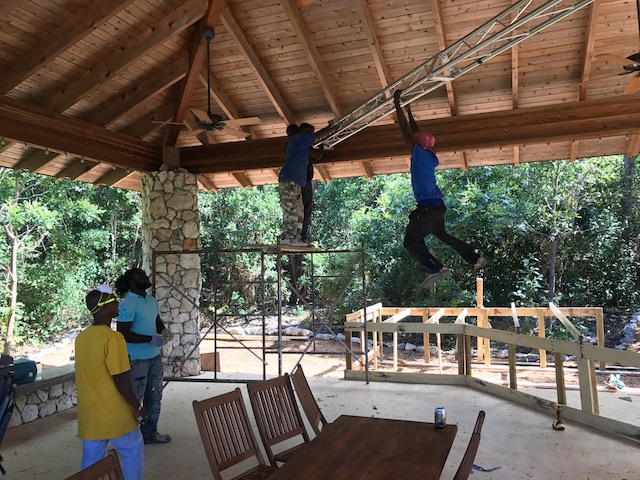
83,83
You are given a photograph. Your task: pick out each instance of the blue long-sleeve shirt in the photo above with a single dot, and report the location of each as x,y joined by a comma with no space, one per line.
296,158
423,177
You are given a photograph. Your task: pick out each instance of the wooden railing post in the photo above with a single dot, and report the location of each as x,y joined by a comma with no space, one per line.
542,334
562,393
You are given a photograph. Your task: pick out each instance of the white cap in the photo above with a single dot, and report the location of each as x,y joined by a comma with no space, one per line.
104,288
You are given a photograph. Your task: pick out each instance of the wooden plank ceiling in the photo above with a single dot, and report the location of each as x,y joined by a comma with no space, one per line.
85,84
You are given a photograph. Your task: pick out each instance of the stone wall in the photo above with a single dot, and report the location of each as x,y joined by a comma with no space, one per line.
43,398
170,229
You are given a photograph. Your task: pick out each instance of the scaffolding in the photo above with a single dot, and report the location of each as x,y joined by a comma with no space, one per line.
248,286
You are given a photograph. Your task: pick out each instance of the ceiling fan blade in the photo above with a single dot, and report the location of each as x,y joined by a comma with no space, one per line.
239,122
615,59
194,132
168,123
633,85
201,115
235,133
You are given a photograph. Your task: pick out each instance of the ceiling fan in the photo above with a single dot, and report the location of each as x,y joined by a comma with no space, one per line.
209,121
631,65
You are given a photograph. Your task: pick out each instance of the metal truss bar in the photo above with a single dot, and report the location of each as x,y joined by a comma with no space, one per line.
514,25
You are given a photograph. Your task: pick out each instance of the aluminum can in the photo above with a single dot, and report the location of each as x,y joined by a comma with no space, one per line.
440,418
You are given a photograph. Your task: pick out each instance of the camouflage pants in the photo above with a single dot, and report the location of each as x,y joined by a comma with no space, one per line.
292,209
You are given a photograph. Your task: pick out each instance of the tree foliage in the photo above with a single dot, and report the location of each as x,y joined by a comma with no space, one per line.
561,231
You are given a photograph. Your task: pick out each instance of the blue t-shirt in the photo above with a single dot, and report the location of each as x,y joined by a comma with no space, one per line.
423,177
141,312
296,158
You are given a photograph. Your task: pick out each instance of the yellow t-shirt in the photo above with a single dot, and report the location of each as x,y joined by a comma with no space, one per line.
102,412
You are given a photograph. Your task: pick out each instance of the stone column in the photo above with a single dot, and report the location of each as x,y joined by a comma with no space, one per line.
171,223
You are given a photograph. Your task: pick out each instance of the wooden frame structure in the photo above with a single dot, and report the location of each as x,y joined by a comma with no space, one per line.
588,357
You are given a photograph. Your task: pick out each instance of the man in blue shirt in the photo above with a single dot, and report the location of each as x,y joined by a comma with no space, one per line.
292,180
140,324
428,217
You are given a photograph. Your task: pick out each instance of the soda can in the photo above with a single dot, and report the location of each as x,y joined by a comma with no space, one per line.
440,418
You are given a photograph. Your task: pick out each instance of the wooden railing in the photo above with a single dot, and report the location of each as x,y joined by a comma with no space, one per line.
381,320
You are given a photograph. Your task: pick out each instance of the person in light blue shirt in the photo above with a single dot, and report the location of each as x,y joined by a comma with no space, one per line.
140,324
428,217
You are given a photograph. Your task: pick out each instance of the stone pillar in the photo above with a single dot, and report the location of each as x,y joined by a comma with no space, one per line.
171,222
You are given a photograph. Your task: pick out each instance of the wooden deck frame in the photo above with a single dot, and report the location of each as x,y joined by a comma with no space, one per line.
587,356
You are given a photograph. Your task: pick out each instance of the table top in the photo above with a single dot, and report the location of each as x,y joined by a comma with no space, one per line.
372,448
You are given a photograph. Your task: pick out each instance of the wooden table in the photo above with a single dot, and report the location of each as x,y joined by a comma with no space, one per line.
372,448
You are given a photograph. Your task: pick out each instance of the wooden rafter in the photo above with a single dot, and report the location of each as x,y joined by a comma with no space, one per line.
374,44
197,56
634,146
145,124
34,159
322,173
157,82
441,35
589,48
77,26
261,73
301,30
366,168
242,179
515,92
124,56
112,177
573,153
76,169
207,182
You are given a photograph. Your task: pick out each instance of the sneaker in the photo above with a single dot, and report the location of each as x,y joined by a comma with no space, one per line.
435,277
481,262
158,438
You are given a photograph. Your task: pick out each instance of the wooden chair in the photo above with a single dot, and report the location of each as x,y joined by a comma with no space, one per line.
106,469
307,400
277,415
227,436
464,470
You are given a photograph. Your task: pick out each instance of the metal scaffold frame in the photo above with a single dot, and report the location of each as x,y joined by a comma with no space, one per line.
321,311
512,26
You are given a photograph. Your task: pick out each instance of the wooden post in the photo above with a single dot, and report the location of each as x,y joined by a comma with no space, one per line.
425,338
374,347
513,379
600,335
586,385
460,354
467,355
480,318
438,343
542,334
349,345
594,387
562,393
395,351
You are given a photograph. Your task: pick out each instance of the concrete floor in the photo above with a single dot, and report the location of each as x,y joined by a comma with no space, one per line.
518,440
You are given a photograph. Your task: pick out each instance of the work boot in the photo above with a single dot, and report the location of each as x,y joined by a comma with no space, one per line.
158,438
436,277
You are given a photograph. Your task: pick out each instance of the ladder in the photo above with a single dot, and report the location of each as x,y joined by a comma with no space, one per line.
514,25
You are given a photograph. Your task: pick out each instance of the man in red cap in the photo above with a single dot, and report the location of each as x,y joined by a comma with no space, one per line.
428,217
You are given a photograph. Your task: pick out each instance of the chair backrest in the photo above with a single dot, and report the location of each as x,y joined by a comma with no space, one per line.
307,400
276,411
106,469
464,470
225,431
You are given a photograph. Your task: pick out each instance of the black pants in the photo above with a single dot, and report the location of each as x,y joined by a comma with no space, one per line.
430,220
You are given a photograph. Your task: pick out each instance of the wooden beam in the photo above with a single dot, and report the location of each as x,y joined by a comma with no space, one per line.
207,182
112,177
374,45
308,45
79,23
197,56
322,173
145,124
222,99
126,54
34,159
76,168
613,116
5,144
634,146
366,168
573,154
463,161
441,36
255,64
589,48
62,133
516,156
156,82
242,179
